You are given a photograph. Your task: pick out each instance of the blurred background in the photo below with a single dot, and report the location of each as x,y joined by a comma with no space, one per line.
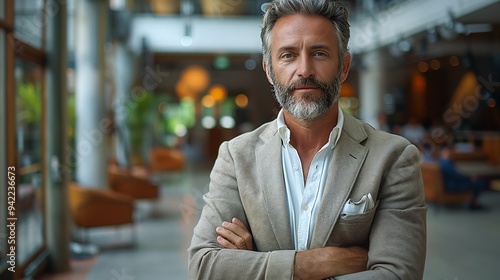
112,112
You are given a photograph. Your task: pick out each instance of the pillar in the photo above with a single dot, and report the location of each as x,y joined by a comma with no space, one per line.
91,118
56,206
371,87
123,69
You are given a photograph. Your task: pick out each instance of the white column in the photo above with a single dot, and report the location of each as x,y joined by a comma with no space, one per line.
91,118
124,70
371,87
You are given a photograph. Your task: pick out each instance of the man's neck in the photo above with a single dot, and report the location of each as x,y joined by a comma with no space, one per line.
311,135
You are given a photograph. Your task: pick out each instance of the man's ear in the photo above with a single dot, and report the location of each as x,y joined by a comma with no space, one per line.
346,65
266,69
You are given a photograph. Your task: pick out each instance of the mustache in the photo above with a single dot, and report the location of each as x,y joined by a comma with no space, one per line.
307,82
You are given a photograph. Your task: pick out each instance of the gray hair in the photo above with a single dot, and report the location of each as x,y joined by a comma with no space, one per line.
334,11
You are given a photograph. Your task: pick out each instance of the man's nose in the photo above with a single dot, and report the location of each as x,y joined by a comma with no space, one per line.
305,68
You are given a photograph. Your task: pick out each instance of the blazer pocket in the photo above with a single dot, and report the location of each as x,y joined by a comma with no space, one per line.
353,229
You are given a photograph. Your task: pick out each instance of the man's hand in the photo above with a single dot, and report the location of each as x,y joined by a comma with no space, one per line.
327,262
234,235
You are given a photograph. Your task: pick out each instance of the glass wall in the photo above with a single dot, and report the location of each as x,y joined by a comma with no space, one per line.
29,107
29,20
3,145
22,58
3,158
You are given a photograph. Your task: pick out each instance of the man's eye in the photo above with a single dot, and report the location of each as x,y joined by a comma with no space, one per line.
287,55
319,54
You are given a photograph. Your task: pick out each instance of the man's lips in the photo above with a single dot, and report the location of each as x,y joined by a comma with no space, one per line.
306,88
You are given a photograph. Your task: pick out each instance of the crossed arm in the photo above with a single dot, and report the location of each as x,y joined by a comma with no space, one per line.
397,239
317,263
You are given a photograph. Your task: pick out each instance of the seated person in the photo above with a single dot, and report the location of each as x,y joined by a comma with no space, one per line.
454,181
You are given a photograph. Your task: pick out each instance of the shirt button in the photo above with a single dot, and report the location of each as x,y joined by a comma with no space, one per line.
302,247
305,207
296,168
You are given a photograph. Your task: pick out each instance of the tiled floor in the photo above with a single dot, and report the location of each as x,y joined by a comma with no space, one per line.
461,244
464,244
80,270
163,231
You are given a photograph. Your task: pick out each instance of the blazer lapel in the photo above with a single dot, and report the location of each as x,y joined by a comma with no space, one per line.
348,158
270,170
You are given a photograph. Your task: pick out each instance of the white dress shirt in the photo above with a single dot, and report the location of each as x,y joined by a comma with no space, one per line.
304,201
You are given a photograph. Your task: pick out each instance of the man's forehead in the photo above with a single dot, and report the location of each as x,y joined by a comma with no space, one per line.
299,26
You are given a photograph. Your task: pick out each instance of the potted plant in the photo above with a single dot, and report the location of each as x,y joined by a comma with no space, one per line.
138,121
29,119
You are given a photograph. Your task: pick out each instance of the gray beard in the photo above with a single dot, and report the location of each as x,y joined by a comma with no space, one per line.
308,107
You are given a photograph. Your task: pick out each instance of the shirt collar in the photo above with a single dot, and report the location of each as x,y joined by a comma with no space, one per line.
334,137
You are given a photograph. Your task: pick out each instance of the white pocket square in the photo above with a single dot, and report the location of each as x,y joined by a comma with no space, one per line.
358,207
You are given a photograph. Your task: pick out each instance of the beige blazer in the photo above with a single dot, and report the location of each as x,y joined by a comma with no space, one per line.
247,182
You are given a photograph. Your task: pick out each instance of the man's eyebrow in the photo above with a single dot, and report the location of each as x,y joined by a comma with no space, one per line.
287,48
312,47
320,46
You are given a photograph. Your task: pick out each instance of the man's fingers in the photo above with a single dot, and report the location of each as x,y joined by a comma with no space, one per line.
234,235
238,230
238,241
225,243
241,231
239,223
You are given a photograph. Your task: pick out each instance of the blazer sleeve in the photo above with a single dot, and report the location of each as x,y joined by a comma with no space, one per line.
398,236
207,259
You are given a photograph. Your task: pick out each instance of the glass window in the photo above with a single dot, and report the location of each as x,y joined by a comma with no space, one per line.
2,8
28,20
30,228
3,159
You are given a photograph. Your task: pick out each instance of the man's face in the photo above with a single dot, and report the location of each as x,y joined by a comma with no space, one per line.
305,65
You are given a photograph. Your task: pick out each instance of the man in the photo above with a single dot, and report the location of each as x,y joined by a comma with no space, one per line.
455,181
315,193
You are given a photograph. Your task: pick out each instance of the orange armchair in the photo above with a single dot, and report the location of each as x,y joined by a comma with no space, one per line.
166,159
434,187
137,187
97,208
